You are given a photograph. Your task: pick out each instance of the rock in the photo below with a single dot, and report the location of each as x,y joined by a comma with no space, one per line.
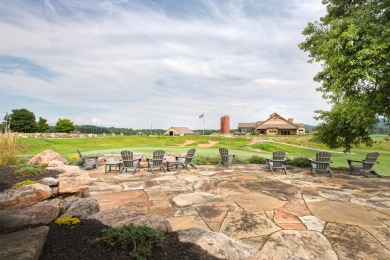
42,212
275,189
46,157
121,217
54,191
217,244
50,181
56,163
195,199
73,182
256,202
353,242
247,224
82,208
313,223
293,244
25,244
24,196
343,212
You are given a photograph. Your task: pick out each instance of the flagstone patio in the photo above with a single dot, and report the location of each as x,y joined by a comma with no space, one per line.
282,216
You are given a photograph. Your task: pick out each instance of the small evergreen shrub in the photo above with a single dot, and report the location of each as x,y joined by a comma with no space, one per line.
139,240
67,221
23,183
298,161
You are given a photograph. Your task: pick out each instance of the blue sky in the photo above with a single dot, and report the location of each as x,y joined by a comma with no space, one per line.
133,63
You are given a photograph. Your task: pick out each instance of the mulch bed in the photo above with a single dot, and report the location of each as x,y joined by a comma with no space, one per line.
71,242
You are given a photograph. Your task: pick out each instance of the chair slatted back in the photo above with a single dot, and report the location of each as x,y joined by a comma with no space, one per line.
158,157
224,153
189,156
323,160
370,160
127,157
278,155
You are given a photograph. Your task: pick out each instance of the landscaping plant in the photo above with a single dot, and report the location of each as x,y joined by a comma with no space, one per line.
7,149
23,183
67,220
139,240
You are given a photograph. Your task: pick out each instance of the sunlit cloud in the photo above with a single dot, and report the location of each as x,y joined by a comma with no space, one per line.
136,63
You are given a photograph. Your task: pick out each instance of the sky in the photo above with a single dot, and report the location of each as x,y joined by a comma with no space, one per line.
155,64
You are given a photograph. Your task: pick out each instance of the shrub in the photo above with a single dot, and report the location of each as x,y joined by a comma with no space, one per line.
139,240
7,148
27,169
74,158
67,221
298,161
201,159
256,159
23,183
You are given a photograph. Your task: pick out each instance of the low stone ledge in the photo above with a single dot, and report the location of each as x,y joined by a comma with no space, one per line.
25,244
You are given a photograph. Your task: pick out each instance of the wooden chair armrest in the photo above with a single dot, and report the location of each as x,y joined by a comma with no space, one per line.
277,160
321,161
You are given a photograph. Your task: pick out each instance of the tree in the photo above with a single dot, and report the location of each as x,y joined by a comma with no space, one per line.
352,44
64,126
42,125
23,121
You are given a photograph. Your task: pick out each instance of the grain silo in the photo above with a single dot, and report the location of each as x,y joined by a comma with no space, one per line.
225,124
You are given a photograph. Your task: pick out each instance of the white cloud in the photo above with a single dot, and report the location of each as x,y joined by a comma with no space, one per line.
122,63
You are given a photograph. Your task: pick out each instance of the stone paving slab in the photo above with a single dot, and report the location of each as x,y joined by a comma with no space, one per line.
353,242
293,216
343,212
293,244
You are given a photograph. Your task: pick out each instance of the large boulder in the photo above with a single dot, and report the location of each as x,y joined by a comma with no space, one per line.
73,182
121,217
24,196
25,244
42,212
46,157
81,207
217,244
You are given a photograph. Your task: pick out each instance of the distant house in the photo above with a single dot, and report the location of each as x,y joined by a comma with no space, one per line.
178,131
274,125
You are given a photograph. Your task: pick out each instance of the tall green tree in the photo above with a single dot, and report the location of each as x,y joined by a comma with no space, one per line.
42,125
352,44
64,125
22,121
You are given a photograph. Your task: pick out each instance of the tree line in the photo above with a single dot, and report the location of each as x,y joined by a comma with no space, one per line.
24,121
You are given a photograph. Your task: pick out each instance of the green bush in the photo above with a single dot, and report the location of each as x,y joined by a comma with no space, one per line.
23,183
256,159
67,220
204,160
139,240
27,169
298,161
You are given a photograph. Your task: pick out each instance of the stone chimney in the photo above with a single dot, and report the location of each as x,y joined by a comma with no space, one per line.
291,120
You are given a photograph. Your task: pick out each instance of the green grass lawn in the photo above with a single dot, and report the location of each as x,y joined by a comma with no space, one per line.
295,146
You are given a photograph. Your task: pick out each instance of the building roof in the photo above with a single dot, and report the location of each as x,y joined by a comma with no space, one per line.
246,125
183,130
262,125
277,126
